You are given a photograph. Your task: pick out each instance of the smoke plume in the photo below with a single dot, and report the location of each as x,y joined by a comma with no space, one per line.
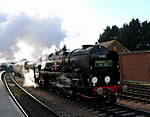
26,36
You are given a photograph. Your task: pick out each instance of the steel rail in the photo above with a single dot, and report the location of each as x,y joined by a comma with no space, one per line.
31,96
13,97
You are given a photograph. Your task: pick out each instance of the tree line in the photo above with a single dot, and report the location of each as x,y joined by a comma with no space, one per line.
134,36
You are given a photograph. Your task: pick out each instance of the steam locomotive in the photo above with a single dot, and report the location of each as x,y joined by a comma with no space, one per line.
92,71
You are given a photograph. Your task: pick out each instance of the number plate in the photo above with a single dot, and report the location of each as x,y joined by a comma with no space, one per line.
103,63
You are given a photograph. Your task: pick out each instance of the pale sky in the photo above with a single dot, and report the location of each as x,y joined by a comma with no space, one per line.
39,24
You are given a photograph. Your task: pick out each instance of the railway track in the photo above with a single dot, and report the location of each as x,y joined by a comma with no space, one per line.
30,106
114,110
97,110
125,111
54,105
137,92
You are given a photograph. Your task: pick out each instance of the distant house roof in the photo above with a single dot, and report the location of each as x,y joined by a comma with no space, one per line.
107,43
115,45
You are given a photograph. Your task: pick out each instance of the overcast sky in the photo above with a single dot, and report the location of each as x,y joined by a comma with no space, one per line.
29,28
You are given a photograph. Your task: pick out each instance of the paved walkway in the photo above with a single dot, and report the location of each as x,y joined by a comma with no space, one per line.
7,106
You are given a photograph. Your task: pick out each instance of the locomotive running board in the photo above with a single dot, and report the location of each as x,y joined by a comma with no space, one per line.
58,74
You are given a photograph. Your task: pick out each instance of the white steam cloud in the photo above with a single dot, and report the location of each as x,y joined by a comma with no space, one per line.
25,36
29,80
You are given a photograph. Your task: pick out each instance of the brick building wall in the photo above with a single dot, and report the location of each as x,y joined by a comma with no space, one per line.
135,66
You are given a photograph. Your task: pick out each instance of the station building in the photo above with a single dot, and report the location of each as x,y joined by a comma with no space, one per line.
134,65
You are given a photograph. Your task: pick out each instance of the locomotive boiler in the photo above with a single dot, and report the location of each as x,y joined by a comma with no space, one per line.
92,71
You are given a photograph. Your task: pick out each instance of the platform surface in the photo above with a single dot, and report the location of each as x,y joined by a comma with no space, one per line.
8,108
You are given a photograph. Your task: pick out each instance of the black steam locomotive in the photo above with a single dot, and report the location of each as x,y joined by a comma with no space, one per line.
92,71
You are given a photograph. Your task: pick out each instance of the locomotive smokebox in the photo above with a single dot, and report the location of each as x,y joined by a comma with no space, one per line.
82,59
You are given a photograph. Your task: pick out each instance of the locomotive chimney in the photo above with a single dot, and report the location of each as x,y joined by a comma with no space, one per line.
86,46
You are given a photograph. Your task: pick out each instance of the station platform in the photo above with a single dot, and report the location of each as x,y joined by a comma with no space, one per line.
8,108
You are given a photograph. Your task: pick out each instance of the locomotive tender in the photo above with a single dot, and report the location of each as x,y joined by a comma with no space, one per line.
92,71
